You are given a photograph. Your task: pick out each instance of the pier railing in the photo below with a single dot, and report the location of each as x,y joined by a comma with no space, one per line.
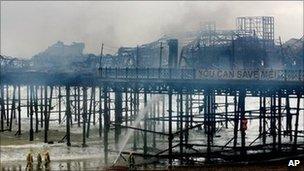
202,74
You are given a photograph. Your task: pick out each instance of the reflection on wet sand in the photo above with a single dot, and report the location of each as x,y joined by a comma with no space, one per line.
60,165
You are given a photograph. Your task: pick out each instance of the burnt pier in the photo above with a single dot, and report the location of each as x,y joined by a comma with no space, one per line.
181,116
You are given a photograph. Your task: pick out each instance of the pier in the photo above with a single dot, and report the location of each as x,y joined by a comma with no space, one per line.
190,116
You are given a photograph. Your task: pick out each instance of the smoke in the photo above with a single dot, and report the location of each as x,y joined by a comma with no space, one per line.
30,27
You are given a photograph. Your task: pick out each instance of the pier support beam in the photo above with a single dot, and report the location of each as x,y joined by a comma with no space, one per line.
170,125
2,106
236,120
59,104
181,128
106,122
31,113
118,115
45,114
296,123
242,112
36,109
100,111
68,115
84,116
13,110
145,125
19,111
280,120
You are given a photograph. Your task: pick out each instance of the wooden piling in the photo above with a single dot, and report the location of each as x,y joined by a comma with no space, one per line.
59,105
170,126
181,127
31,113
19,111
45,114
295,141
12,108
68,116
84,116
100,111
106,123
2,106
36,109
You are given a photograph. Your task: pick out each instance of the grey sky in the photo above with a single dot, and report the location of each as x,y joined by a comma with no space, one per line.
29,27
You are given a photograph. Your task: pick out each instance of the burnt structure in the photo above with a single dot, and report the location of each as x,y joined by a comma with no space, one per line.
177,103
173,53
174,94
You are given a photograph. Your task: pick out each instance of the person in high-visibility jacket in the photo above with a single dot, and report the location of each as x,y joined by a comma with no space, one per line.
39,161
29,162
131,161
47,160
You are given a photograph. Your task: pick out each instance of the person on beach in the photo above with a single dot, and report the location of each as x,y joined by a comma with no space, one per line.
29,162
131,162
39,161
47,160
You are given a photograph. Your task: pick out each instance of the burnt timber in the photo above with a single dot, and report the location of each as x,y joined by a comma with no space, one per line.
93,98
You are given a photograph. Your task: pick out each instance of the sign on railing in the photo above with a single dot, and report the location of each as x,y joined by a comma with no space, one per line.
280,75
202,74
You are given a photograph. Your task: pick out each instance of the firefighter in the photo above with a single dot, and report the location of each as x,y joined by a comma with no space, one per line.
244,124
39,161
47,160
29,162
131,162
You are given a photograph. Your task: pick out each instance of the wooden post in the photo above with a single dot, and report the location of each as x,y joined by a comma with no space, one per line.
242,112
126,107
118,115
84,117
260,113
12,108
68,115
280,120
190,109
106,122
154,125
145,125
59,104
273,128
75,104
207,120
170,126
2,107
163,113
94,107
236,120
35,97
264,119
27,101
187,119
31,114
181,128
78,103
100,112
41,106
45,114
288,118
226,109
90,111
7,105
177,112
50,107
296,122
19,111
136,109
